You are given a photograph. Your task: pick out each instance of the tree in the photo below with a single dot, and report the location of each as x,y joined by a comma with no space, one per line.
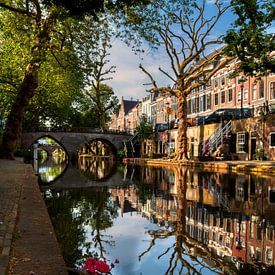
40,18
186,252
144,129
93,50
188,39
249,40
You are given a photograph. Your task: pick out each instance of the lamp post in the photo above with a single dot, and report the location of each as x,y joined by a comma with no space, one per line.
168,136
242,82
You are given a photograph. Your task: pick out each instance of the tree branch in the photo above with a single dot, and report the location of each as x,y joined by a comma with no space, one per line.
17,10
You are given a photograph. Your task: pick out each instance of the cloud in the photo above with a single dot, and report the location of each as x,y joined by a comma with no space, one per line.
129,79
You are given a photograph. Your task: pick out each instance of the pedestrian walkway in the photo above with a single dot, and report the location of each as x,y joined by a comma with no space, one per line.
27,241
12,175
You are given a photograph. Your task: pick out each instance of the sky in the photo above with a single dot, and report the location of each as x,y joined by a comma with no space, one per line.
129,79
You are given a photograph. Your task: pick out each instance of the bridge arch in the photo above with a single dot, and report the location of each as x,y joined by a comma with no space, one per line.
105,141
45,135
72,141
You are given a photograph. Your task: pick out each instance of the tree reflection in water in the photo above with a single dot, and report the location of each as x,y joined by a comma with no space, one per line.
206,223
72,213
185,246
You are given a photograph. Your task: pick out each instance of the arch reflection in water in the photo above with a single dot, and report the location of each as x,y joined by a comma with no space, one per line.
97,168
50,169
180,220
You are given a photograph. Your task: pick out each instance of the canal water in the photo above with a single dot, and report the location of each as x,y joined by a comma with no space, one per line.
160,221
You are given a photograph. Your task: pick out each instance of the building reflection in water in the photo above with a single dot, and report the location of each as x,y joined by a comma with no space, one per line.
228,217
220,221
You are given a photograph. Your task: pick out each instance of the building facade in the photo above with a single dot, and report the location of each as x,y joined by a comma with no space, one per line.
253,138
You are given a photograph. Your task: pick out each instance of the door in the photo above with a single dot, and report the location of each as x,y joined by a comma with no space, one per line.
253,148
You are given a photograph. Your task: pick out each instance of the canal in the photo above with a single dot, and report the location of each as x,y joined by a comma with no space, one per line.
160,221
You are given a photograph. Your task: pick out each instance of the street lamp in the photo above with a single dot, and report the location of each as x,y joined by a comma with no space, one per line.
242,82
168,111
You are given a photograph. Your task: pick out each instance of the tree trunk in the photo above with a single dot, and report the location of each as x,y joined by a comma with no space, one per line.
15,119
182,145
29,84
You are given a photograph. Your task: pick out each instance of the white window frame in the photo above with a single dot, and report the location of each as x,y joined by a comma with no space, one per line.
239,96
270,94
254,92
245,94
241,142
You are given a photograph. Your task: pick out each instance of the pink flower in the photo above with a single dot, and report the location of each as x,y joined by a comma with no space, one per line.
93,265
102,267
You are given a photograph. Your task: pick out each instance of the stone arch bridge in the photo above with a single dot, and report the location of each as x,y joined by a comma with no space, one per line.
73,141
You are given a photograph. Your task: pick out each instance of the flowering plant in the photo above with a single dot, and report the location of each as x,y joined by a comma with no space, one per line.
94,267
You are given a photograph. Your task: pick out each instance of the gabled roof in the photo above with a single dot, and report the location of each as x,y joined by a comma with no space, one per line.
129,105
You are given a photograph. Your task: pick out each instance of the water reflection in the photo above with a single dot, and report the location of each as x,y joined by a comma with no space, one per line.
50,168
169,222
97,168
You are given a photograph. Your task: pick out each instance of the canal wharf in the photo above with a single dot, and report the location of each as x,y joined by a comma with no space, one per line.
28,244
261,168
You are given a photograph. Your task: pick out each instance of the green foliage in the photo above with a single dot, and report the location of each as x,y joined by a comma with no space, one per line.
121,154
248,39
144,129
93,51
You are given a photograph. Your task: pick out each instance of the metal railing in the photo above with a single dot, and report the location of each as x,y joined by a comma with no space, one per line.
216,139
131,141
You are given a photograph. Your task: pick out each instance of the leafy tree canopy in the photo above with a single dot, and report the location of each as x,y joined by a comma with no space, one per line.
144,129
249,40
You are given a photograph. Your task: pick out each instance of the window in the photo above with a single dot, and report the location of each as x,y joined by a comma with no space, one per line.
272,90
202,103
222,80
254,91
189,107
197,104
239,80
208,101
230,95
261,89
216,99
269,233
245,94
229,79
272,140
216,82
239,96
251,230
241,142
268,255
222,96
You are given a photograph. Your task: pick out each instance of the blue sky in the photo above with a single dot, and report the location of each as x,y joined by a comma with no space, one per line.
129,79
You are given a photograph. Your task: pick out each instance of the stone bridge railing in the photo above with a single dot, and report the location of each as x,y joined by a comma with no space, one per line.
73,141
